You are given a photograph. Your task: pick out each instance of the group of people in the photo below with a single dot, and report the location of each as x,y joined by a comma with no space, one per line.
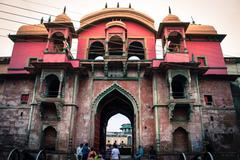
84,152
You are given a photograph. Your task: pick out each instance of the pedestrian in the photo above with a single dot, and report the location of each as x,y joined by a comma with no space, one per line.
92,154
115,153
140,153
108,152
85,151
152,154
79,152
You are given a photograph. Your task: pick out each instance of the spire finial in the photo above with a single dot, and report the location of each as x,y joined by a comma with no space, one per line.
193,22
106,6
118,5
130,6
169,10
41,21
64,9
49,19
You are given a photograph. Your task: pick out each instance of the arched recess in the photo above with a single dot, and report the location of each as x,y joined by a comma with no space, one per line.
51,85
96,49
136,48
48,111
49,138
180,140
57,40
179,86
110,102
175,42
115,46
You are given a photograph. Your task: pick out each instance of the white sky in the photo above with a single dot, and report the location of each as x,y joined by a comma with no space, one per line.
222,14
115,122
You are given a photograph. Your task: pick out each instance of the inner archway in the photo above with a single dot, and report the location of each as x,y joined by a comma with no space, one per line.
109,105
119,132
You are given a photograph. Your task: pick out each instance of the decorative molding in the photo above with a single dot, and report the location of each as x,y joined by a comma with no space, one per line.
117,87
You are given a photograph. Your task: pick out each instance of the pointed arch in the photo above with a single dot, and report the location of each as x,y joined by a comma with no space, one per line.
107,104
49,138
180,140
120,89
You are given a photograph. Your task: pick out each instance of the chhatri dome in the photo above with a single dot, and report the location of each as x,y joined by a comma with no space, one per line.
170,18
62,18
35,29
201,29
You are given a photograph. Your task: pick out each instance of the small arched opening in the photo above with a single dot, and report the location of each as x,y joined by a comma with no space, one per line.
175,42
52,85
115,46
49,138
96,49
179,87
58,42
136,49
180,140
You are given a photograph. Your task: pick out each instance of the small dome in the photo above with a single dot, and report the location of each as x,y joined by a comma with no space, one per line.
62,18
99,58
201,29
36,29
133,58
170,18
116,23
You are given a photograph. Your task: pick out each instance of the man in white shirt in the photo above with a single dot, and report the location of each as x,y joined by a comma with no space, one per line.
115,153
79,152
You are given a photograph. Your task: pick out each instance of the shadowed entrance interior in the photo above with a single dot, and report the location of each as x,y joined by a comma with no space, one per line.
113,103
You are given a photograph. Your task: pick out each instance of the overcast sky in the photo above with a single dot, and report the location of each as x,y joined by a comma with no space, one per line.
222,14
115,122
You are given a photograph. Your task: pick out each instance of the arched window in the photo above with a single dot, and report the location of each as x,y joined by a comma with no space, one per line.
48,111
115,46
58,42
51,86
179,84
180,140
136,49
175,42
96,49
49,138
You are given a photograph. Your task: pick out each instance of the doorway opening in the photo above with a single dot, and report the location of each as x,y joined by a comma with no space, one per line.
119,132
113,104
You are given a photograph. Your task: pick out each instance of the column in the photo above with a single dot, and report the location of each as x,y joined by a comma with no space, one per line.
155,105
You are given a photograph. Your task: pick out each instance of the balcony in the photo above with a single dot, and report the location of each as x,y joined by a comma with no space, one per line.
177,57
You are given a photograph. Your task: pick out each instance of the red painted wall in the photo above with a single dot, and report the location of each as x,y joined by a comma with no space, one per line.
22,51
213,53
134,30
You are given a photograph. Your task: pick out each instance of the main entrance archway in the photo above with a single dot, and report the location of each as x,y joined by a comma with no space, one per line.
110,102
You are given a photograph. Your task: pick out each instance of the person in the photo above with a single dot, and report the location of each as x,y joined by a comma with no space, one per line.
122,144
115,153
108,152
85,151
152,154
79,151
92,154
98,157
140,153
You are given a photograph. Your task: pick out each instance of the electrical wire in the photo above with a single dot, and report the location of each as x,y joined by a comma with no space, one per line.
59,24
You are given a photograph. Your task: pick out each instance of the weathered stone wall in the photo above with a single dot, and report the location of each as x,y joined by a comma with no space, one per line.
14,116
219,120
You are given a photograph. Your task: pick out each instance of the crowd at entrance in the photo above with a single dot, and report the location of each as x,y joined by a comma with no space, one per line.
84,152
